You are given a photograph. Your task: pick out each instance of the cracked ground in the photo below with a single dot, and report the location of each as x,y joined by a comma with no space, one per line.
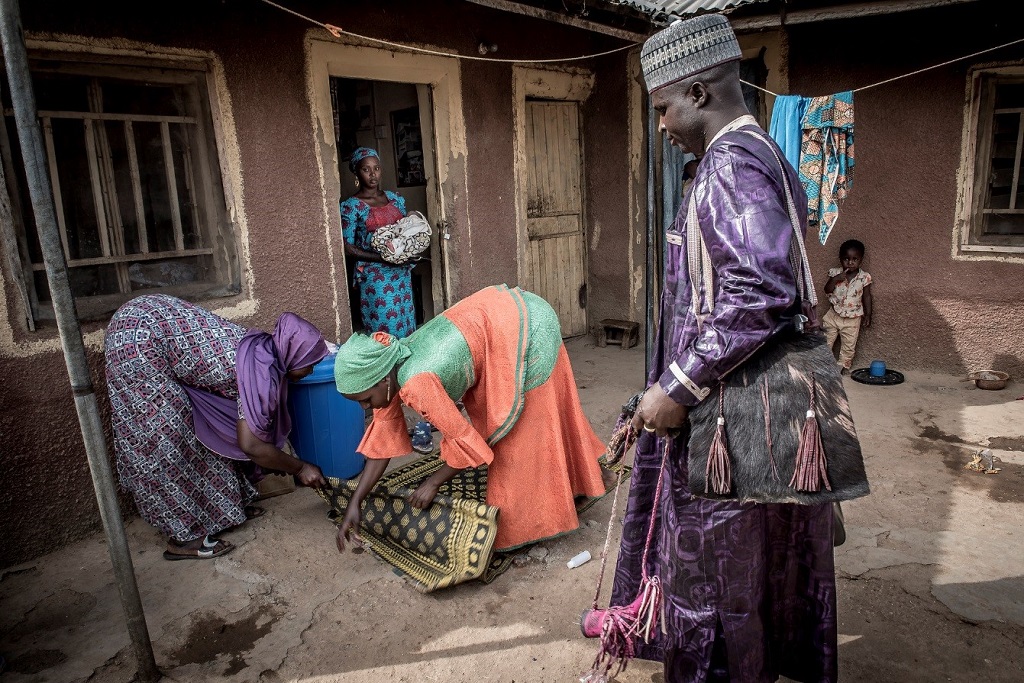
931,578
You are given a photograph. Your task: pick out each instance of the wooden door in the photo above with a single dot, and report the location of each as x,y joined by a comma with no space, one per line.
555,267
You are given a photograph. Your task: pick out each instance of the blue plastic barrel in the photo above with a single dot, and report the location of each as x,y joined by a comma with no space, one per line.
877,368
326,426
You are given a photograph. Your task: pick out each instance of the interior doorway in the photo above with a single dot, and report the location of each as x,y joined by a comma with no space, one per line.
395,120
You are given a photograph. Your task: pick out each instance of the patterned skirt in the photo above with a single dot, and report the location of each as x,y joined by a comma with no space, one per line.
154,345
385,299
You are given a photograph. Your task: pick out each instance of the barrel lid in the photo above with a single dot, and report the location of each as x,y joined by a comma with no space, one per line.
322,372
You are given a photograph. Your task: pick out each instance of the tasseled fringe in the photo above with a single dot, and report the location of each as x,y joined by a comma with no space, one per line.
810,472
620,443
620,629
651,609
718,473
768,427
621,626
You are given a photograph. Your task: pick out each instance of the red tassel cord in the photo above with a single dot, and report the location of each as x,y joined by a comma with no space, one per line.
811,468
619,627
718,472
768,427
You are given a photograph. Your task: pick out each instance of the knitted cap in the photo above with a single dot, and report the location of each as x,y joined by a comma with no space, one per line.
686,48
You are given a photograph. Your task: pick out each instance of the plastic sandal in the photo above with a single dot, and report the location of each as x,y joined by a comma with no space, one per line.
211,548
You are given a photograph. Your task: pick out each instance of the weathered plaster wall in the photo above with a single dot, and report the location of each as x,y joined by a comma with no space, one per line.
606,144
931,311
487,97
46,496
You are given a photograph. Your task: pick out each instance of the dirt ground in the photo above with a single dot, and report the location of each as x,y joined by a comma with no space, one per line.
930,580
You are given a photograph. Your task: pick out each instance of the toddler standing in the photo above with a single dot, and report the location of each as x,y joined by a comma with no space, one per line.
849,291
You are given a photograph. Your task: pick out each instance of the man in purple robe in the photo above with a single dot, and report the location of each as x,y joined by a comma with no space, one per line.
749,588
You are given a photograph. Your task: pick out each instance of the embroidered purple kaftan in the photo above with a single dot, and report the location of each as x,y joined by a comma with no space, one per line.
750,589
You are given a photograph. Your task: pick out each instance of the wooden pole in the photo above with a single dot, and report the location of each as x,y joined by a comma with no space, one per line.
41,193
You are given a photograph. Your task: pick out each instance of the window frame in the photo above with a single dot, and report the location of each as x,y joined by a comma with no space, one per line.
976,164
211,197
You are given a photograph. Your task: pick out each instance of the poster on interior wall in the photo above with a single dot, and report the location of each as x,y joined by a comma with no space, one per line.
405,124
364,105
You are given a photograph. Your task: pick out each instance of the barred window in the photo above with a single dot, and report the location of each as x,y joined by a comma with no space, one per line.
992,211
140,203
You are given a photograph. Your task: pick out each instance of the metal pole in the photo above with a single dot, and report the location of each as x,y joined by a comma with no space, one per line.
41,193
652,269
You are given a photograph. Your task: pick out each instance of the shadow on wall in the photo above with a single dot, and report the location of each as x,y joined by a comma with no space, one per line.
922,342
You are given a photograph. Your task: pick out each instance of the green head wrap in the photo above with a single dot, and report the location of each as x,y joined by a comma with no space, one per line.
364,360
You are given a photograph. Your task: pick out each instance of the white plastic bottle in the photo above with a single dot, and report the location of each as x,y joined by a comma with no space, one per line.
582,558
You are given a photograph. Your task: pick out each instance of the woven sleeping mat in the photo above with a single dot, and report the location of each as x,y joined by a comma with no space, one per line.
449,543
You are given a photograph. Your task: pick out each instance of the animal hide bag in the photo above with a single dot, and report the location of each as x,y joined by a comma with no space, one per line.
765,404
778,429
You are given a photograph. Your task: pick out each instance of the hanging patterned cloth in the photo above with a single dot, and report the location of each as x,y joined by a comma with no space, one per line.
826,158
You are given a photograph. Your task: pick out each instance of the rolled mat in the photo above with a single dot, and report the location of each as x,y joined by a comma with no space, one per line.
449,543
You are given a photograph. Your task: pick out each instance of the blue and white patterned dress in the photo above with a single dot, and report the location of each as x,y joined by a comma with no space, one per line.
385,291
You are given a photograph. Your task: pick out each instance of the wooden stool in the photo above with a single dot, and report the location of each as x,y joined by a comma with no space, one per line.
625,333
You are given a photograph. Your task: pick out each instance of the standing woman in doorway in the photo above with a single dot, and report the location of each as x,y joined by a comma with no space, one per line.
385,290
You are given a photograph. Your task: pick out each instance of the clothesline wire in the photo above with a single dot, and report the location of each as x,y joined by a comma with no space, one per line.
337,32
912,73
757,87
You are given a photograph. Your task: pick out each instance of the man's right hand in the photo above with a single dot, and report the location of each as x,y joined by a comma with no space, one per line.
658,412
349,528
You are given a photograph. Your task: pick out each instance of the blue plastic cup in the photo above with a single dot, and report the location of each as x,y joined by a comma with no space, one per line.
877,368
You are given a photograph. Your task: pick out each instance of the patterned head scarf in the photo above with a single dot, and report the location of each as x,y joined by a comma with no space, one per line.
686,48
360,154
365,360
262,361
